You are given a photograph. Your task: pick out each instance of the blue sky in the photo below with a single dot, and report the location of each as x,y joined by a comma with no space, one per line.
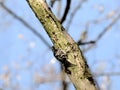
19,45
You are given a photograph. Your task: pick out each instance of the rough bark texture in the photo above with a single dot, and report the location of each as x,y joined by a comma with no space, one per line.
69,52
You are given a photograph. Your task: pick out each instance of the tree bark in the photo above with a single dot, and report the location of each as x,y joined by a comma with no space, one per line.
71,56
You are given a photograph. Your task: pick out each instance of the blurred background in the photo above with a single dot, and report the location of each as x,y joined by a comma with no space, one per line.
26,59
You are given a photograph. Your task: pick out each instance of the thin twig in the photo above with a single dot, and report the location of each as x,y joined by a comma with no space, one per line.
107,28
85,43
66,11
73,13
107,74
25,24
52,2
103,32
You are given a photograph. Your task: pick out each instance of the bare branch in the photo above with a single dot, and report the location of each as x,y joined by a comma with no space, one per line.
85,43
74,12
107,74
107,28
52,2
66,11
25,24
103,32
63,77
66,50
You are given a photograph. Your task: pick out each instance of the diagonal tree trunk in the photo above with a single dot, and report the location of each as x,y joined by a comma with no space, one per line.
65,49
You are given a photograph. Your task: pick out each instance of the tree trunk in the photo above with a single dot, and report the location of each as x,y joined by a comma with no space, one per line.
65,49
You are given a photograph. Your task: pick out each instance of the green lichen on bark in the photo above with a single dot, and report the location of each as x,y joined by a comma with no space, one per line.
79,71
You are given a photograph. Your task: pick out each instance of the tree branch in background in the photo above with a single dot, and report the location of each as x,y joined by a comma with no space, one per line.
107,74
85,43
107,28
57,77
104,32
52,2
66,11
25,24
63,79
73,13
59,8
